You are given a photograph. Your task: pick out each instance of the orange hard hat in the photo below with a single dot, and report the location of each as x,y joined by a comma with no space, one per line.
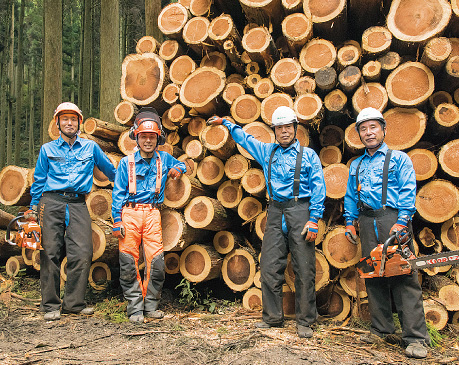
146,126
147,120
67,107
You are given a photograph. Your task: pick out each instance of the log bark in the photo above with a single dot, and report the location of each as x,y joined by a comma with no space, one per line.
181,68
288,301
147,44
260,47
15,183
99,128
230,194
297,30
330,155
264,12
349,79
246,109
435,313
211,171
410,84
249,208
201,7
309,109
339,252
448,158
261,132
170,49
53,131
389,62
207,213
405,127
376,41
424,162
285,73
326,79
361,310
252,299
172,263
177,233
178,193
5,219
106,146
450,234
238,269
257,279
200,263
448,78
333,302
336,176
329,18
104,244
437,201
143,78
348,280
372,95
99,275
172,20
446,290
226,241
232,91
13,265
254,182
125,113
436,53
236,166
99,203
317,53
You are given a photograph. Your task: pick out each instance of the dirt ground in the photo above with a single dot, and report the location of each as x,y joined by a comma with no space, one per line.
184,337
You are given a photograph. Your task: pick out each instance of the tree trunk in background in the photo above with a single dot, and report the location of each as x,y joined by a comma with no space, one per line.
85,70
110,70
19,82
31,116
9,130
52,60
152,10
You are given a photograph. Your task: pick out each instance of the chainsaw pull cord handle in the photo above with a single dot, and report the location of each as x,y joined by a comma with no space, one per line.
384,253
8,229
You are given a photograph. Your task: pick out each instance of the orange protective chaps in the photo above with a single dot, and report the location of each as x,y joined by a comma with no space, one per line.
142,225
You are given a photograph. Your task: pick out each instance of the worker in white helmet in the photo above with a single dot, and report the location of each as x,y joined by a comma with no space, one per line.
296,188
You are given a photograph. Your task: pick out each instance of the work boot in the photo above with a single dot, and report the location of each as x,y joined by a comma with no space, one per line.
416,350
304,331
52,316
87,311
264,325
157,314
136,317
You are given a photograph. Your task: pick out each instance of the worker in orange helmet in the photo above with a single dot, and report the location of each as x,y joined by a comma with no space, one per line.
138,193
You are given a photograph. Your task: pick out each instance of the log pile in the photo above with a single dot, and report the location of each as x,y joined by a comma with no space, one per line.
328,60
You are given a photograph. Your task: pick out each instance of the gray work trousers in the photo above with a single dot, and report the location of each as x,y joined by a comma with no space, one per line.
274,251
76,238
405,289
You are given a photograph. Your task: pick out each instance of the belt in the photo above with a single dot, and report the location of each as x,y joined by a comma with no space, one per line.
288,203
142,206
66,196
369,212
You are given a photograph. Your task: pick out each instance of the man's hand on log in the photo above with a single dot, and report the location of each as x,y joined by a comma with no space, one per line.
118,230
351,234
310,229
215,120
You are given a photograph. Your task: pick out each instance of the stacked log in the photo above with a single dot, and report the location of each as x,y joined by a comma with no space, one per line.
325,59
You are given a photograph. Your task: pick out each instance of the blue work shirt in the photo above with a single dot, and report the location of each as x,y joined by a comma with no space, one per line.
312,183
401,185
61,167
145,181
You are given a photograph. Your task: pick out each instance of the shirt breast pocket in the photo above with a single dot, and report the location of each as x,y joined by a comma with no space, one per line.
57,163
141,180
83,162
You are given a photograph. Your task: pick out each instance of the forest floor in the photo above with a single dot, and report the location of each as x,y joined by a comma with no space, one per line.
227,336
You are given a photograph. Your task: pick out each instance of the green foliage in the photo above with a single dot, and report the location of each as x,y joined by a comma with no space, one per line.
436,337
113,309
192,299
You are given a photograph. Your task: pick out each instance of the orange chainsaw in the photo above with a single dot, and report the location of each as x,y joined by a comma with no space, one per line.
28,234
389,259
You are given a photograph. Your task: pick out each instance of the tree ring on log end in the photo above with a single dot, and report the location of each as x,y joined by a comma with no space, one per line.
181,68
177,192
447,115
376,40
169,50
252,299
352,139
98,241
286,72
232,91
256,40
330,155
172,19
224,242
202,86
248,208
302,135
448,158
336,176
405,127
230,194
172,263
236,166
220,28
348,282
308,108
437,201
246,109
425,163
339,252
435,313
331,135
99,275
13,184
450,233
172,228
316,54
370,95
297,27
261,132
254,182
210,170
238,269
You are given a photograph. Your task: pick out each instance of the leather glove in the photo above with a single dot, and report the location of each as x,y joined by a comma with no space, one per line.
174,173
351,234
118,230
401,225
310,229
31,215
215,120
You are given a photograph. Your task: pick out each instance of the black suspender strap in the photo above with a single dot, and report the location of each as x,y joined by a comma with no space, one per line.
385,178
296,179
270,188
357,183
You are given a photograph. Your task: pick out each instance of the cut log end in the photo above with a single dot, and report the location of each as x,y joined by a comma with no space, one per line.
424,162
405,127
448,158
437,201
339,252
336,176
238,269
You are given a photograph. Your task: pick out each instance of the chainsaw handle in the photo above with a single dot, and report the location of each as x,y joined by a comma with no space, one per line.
386,245
8,229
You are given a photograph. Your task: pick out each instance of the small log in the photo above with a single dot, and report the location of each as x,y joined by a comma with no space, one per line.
99,275
106,146
214,59
322,272
191,165
446,290
175,114
361,310
330,155
292,6
252,79
200,90
389,62
440,97
326,79
372,95
36,260
348,55
178,193
53,131
223,29
448,158
272,102
172,263
285,73
143,77
254,182
103,129
195,150
99,203
450,234
260,225
304,85
201,7
302,135
252,299
230,194
435,313
99,178
445,119
246,109
238,269
336,176
177,233
170,49
147,44
436,53
376,41
297,30
329,18
5,219
263,88
257,279
371,71
13,265
249,208
211,171
171,93
172,20
331,135
196,126
173,138
424,162
352,139
309,109
410,84
437,201
260,46
125,113
181,68
63,271
348,280
15,183
226,241
448,78
349,79
405,127
339,252
236,166
426,237
232,91
413,23
207,213
265,12
200,263
333,302
104,244
261,132
317,53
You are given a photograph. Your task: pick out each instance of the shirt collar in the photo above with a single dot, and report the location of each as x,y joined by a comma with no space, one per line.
382,149
138,157
295,145
60,141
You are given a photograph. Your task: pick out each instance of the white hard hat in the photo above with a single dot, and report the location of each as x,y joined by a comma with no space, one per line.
283,115
369,114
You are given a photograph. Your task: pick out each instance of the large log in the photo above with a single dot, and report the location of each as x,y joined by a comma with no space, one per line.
336,176
405,127
262,12
232,91
376,41
437,201
196,36
339,252
99,203
5,219
264,88
14,264
435,313
352,139
170,49
309,109
424,162
180,68
104,244
178,193
171,93
147,44
246,109
317,53
172,19
326,79
436,53
372,95
349,79
329,18
444,120
125,144
333,302
99,275
330,155
207,213
99,178
272,102
172,263
249,208
106,146
211,171
15,183
200,263
285,73
238,269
